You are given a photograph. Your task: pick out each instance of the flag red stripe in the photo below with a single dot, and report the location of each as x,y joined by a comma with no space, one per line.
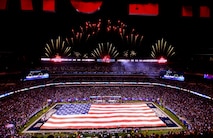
101,125
106,123
112,119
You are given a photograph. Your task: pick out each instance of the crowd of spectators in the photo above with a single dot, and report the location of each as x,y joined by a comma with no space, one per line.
18,109
105,68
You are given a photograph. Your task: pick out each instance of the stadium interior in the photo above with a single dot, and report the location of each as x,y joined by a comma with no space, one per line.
67,66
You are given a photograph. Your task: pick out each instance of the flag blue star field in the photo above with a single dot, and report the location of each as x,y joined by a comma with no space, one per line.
90,116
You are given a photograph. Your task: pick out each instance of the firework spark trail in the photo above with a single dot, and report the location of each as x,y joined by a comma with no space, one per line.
165,45
98,51
105,49
133,40
115,53
110,47
130,38
47,49
128,35
67,50
170,51
100,47
161,48
118,27
57,47
82,34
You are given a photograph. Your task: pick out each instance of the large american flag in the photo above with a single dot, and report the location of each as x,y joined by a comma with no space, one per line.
89,116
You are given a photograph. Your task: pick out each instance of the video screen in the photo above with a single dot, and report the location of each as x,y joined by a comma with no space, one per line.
208,76
35,75
172,75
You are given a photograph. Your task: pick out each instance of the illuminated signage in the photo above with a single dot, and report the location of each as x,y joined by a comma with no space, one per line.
171,75
208,76
36,75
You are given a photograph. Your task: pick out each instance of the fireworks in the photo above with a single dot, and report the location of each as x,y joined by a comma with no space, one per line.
131,39
81,35
84,37
118,26
129,53
104,49
162,49
107,33
57,47
129,36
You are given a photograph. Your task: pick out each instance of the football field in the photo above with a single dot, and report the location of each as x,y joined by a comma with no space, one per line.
71,117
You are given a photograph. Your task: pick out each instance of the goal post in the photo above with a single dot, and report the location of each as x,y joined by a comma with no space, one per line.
105,99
